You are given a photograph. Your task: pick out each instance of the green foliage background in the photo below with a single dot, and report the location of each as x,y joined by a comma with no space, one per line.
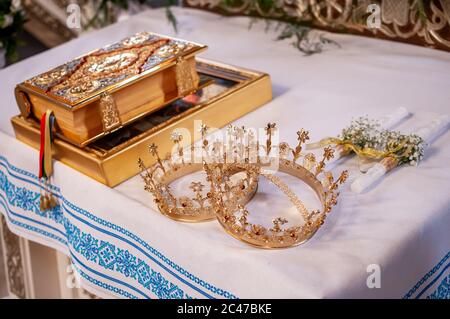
8,36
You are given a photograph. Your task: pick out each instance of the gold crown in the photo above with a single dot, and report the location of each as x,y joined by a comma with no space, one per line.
197,208
234,217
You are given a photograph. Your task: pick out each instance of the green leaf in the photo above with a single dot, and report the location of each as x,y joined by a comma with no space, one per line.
421,10
285,34
266,5
172,19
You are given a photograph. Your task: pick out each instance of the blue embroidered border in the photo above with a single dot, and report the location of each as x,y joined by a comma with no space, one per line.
442,291
79,249
123,261
104,285
445,282
9,212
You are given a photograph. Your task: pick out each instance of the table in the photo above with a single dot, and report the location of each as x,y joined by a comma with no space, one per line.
122,247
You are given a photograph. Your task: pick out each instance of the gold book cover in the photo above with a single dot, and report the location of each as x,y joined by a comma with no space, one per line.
111,87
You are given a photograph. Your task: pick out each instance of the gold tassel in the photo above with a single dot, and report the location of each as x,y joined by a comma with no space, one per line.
52,203
42,203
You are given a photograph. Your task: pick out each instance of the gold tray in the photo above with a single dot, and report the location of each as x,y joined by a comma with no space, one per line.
229,93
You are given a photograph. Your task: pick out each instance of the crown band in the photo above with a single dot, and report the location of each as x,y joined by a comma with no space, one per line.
277,237
197,208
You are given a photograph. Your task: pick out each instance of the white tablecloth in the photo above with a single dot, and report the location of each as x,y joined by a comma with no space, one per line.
122,247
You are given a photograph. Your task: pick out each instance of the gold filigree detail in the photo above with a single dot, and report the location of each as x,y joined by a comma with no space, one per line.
288,192
105,68
51,77
101,66
186,78
110,114
110,64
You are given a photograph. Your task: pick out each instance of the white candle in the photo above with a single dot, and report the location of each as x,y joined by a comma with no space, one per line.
428,133
434,128
390,120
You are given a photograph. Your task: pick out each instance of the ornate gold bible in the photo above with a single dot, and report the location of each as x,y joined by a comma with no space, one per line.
111,87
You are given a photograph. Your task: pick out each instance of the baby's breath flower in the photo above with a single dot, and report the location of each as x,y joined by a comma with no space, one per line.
366,133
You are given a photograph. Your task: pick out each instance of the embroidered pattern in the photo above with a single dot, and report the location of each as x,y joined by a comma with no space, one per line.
121,260
443,290
148,250
415,292
92,249
104,285
110,257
